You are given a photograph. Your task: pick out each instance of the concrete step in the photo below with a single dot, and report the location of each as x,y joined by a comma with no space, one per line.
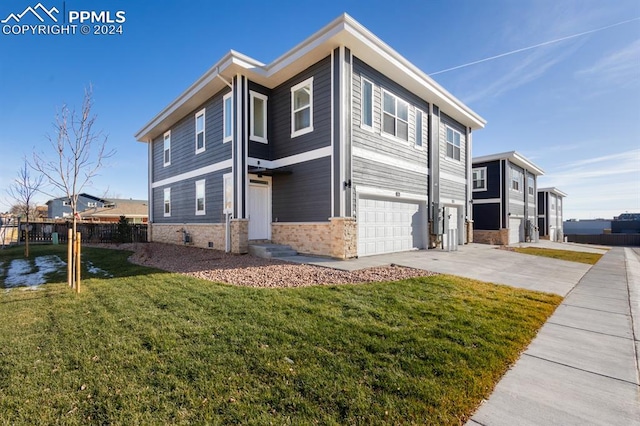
268,251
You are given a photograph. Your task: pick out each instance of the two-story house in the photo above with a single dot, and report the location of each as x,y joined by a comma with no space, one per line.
340,147
550,217
504,198
59,208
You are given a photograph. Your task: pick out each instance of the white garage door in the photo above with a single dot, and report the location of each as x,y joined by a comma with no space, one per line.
388,225
516,231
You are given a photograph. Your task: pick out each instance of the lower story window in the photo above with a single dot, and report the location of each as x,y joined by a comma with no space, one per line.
200,197
167,202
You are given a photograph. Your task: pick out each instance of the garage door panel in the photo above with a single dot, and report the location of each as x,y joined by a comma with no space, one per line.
389,225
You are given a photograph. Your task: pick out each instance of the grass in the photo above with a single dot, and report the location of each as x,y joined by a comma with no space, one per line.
148,347
572,256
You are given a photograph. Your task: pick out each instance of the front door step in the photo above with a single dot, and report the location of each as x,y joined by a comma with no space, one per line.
269,251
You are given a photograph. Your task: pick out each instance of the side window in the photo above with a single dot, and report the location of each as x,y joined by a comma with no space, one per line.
200,197
516,180
167,202
453,144
200,135
258,117
531,185
366,120
395,116
167,148
302,108
480,179
419,130
227,193
227,124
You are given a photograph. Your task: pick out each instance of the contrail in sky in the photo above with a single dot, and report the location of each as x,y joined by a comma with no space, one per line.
534,46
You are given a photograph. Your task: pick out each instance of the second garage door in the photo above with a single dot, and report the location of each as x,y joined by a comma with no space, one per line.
389,225
516,231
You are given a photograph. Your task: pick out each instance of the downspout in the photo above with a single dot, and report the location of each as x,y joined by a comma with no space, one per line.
150,192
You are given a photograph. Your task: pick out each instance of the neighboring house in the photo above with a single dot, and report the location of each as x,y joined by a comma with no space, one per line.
135,211
586,226
504,198
626,223
550,202
60,208
340,147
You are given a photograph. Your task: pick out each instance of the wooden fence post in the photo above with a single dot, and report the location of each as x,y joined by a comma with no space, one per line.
78,261
69,256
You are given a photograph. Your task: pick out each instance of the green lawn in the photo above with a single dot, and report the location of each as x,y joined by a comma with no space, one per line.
148,347
572,256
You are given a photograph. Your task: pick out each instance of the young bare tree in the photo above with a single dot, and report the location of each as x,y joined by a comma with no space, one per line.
79,151
22,190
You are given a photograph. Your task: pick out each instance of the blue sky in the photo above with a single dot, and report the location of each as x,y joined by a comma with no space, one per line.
572,107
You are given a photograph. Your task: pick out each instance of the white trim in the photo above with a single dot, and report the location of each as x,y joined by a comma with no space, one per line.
165,137
167,197
395,115
486,201
203,183
301,223
194,173
453,178
342,126
484,172
364,126
255,95
389,193
309,128
291,160
331,108
225,137
357,151
202,113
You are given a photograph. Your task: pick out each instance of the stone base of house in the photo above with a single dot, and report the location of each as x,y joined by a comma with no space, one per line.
337,238
497,237
209,235
469,230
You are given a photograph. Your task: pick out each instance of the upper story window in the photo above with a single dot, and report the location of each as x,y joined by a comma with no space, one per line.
531,185
419,128
200,120
66,203
167,148
200,197
453,144
227,120
167,202
302,108
366,120
395,117
258,117
480,179
516,180
92,204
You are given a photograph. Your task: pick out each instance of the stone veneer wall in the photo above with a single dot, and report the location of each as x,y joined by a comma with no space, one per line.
201,234
344,237
500,237
239,236
469,225
306,238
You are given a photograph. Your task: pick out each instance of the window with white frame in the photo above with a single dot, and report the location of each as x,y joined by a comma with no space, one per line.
227,193
66,203
227,117
395,116
92,204
419,127
200,197
366,120
167,148
479,179
200,121
302,108
531,185
516,180
453,144
258,117
167,202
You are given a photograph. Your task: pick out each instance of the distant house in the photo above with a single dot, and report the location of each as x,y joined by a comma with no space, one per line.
626,223
550,204
60,208
340,147
586,226
135,211
504,198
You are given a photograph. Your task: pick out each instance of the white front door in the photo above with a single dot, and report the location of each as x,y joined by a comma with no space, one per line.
259,210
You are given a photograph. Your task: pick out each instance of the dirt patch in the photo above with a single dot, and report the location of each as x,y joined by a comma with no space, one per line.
250,271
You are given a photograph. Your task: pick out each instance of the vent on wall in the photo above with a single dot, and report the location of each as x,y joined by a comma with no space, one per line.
210,244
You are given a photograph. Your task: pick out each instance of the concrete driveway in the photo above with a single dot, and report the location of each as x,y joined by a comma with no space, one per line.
477,261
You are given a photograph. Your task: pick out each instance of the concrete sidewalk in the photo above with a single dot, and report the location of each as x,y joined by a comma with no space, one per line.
582,368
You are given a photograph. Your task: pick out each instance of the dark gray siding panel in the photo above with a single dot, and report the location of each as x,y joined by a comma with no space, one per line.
305,194
379,175
183,200
493,180
183,145
280,140
486,216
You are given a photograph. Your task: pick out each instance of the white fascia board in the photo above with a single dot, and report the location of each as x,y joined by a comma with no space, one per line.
553,190
513,157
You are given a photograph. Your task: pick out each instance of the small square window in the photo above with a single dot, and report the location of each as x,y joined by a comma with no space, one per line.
167,148
453,144
258,117
227,124
302,108
200,131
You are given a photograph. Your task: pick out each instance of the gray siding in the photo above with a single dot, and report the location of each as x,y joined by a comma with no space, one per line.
516,198
305,194
183,145
183,200
371,173
280,142
452,190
